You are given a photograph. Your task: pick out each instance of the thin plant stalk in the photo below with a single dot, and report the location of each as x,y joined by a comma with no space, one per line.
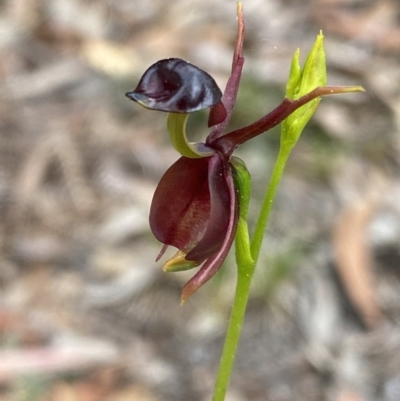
265,212
246,260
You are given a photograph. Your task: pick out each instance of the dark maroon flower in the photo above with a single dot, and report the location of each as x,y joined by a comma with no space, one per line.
195,207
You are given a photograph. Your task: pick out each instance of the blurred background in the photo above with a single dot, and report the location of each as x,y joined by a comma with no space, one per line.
86,314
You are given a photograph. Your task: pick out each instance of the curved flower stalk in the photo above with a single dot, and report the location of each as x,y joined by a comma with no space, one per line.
195,207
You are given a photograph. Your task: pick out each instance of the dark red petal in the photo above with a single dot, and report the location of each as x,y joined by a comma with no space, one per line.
227,143
217,114
238,53
180,209
174,85
220,201
232,86
214,263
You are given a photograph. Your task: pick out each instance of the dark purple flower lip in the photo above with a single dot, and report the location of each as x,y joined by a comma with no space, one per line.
176,86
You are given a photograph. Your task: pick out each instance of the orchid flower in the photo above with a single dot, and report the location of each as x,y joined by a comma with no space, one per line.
196,205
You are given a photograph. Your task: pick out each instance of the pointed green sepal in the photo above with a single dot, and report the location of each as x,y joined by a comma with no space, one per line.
314,71
294,76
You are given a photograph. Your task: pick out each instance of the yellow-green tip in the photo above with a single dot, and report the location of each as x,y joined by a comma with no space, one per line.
178,263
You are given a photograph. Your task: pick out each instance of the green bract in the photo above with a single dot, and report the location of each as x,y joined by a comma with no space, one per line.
301,82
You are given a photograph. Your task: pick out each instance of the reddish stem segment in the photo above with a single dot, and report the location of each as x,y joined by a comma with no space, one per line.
229,142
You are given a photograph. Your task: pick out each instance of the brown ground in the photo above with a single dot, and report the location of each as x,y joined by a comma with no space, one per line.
85,312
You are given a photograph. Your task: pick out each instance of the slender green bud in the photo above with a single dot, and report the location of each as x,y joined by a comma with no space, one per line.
301,82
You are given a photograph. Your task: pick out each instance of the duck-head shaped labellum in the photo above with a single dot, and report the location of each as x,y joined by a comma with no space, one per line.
176,86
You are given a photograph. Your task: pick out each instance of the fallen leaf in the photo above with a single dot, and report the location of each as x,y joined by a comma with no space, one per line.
354,259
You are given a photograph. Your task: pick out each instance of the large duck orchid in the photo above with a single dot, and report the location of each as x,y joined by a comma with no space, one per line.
196,205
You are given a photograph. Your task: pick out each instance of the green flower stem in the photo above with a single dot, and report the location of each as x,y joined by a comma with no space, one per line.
176,124
306,85
246,257
246,268
268,202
